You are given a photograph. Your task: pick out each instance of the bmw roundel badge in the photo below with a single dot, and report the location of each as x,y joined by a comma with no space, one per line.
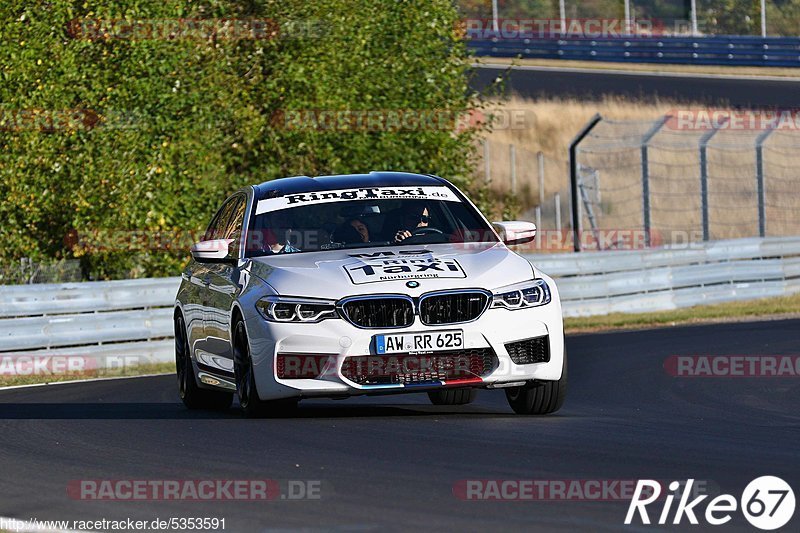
412,284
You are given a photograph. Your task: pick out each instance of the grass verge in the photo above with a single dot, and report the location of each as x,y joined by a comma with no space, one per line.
781,307
700,70
139,370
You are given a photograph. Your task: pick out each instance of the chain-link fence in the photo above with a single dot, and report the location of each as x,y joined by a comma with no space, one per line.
668,17
28,272
682,178
536,182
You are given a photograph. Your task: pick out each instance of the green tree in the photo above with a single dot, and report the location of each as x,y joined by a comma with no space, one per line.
107,133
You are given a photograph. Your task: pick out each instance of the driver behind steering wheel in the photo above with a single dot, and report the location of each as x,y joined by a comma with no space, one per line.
414,217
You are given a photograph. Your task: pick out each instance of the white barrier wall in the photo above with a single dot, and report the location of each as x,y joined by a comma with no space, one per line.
114,321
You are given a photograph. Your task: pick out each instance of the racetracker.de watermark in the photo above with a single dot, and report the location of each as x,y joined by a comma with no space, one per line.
22,364
194,489
175,29
709,119
193,29
733,366
399,120
597,490
119,240
547,28
67,120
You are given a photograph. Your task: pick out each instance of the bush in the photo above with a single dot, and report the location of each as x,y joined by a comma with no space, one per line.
104,132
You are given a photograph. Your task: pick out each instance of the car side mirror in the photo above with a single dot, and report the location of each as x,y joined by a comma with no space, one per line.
213,251
515,231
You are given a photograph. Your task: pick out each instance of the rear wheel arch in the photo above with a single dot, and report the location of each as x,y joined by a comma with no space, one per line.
236,316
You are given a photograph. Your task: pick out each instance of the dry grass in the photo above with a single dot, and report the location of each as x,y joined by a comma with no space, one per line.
614,150
128,371
648,67
767,308
549,125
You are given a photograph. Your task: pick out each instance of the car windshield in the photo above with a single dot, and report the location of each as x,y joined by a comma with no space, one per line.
361,217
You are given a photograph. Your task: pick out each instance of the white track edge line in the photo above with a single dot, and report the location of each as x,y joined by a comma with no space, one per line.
31,385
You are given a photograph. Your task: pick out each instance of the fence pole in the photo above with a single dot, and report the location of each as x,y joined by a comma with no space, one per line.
487,164
764,18
573,175
540,158
694,18
512,154
557,197
704,140
628,17
762,211
646,176
538,227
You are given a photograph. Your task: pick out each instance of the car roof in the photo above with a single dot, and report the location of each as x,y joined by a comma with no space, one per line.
298,184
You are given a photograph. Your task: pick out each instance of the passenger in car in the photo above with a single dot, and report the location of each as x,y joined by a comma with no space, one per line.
351,231
276,234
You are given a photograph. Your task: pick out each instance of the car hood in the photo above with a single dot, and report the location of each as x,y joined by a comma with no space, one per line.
335,274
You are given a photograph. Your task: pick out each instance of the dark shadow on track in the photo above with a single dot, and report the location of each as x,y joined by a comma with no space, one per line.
168,411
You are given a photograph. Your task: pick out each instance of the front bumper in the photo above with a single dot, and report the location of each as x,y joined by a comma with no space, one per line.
341,340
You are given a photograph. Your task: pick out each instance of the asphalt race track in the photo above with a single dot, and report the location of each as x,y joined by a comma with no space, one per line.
592,85
390,463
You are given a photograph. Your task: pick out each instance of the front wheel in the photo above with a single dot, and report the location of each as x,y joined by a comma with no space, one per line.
539,397
249,401
193,396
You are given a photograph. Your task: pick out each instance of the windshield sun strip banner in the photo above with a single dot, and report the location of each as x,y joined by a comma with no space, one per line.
359,193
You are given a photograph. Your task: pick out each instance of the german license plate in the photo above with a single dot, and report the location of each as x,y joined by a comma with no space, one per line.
432,341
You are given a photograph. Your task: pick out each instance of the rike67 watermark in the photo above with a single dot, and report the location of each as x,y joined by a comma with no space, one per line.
767,503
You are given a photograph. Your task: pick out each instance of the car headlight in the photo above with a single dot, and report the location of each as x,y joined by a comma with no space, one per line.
284,309
522,295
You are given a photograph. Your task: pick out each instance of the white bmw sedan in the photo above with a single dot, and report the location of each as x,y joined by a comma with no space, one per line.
379,283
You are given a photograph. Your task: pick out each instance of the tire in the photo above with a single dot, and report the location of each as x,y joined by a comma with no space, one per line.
252,406
193,396
539,397
453,396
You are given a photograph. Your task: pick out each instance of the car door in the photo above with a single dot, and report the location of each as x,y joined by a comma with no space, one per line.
223,288
199,276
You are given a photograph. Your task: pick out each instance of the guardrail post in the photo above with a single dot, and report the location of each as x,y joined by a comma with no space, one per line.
646,176
573,176
762,211
704,140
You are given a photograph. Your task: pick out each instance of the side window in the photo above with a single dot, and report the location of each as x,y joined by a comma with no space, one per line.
233,229
216,229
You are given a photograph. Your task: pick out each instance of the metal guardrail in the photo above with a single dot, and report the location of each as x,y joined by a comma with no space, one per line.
108,321
711,50
99,324
594,283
